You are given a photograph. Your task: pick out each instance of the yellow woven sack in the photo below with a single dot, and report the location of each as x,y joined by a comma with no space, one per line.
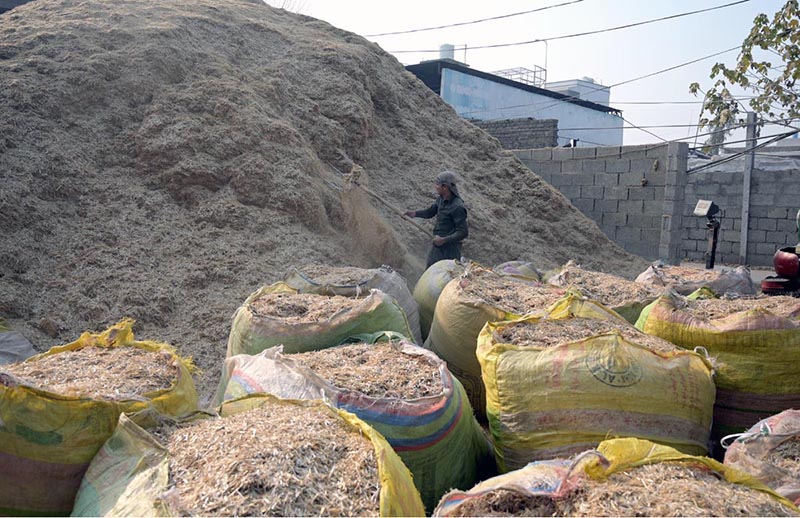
548,402
430,286
129,476
47,440
757,358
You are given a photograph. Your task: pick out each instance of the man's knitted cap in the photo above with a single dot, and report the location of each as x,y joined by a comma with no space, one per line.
449,179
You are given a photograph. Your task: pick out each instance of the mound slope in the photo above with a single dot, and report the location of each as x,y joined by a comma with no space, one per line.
161,159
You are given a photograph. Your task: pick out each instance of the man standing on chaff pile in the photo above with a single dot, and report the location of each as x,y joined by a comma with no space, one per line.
451,219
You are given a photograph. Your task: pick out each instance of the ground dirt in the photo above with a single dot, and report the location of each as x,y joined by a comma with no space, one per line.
161,160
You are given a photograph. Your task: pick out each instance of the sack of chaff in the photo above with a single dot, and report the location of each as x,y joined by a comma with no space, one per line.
59,407
469,301
430,286
622,477
685,280
523,271
349,281
623,296
770,451
263,457
279,315
403,391
560,382
756,346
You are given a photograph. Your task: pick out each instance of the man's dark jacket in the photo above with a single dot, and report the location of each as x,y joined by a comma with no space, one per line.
451,224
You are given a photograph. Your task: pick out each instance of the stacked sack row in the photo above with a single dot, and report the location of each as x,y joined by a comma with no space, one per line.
556,376
327,405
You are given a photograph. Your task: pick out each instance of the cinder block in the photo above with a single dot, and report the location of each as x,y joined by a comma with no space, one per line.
786,199
631,206
762,199
733,188
762,186
613,219
762,248
618,166
571,166
634,152
579,178
766,224
615,193
631,179
674,193
643,165
694,256
759,260
561,153
707,191
523,154
628,234
654,208
545,167
607,179
584,152
592,191
737,224
757,236
603,205
648,222
781,238
786,225
777,213
697,233
583,204
641,193
570,191
594,166
542,154
730,235
759,212
609,229
656,178
608,151
659,151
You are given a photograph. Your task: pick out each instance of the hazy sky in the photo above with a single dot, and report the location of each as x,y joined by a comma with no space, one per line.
609,57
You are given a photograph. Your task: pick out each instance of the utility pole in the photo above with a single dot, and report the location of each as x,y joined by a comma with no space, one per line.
749,162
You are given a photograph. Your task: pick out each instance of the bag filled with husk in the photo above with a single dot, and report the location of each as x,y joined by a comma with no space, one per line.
560,382
685,280
622,477
403,391
756,344
59,407
469,301
263,457
621,295
279,315
430,286
349,281
770,451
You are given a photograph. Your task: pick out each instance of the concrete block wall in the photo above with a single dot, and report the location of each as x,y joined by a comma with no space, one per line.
620,188
522,133
774,202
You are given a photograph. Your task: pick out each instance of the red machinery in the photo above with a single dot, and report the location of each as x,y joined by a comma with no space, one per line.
787,265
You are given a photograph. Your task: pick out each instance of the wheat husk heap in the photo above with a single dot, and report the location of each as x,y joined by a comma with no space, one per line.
162,159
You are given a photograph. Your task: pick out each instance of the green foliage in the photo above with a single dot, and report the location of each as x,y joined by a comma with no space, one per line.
772,81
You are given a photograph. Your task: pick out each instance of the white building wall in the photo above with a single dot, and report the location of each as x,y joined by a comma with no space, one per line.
476,98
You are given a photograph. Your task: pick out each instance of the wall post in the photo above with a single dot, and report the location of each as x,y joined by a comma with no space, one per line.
670,245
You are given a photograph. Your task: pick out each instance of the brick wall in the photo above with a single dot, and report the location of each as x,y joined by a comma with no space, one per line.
774,202
654,218
620,188
524,133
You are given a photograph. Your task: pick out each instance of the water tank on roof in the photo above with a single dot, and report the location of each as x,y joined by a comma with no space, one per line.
447,51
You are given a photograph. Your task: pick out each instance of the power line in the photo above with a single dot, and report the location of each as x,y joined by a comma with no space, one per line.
472,22
610,29
742,153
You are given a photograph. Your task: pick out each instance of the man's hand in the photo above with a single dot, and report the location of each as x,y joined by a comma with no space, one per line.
438,240
410,213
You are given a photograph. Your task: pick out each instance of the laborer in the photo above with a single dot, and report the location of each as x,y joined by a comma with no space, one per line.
451,219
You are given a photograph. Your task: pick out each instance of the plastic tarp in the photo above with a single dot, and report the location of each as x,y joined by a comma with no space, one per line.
47,440
548,402
680,279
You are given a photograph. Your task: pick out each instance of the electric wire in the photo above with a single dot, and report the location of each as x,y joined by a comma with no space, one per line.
734,156
459,24
575,35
